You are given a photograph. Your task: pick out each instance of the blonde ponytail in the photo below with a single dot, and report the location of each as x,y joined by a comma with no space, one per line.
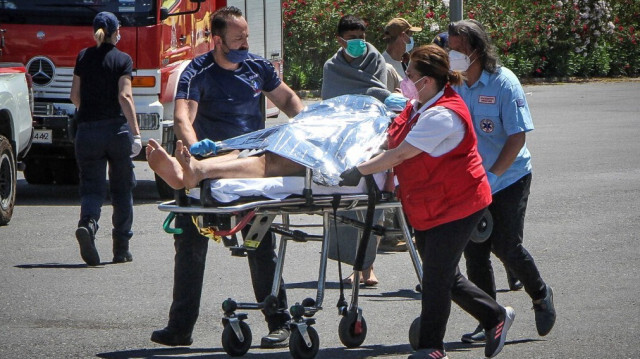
99,36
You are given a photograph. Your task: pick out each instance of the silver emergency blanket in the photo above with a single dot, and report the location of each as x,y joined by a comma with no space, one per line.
328,137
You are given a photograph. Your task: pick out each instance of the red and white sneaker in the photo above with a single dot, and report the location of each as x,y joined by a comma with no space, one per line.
429,354
497,335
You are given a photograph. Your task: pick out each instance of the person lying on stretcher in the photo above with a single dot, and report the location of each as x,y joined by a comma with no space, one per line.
328,137
185,171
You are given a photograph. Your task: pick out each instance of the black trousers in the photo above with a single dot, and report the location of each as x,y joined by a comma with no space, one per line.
191,252
440,249
508,210
97,144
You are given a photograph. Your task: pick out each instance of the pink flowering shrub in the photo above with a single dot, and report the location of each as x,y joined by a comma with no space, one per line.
533,38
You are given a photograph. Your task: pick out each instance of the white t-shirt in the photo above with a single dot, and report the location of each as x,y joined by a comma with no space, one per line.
395,63
437,131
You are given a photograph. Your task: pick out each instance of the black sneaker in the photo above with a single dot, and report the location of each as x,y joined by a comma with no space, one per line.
86,236
477,336
497,335
171,337
429,354
275,339
545,313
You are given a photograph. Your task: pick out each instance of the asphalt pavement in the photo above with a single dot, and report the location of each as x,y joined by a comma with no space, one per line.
582,229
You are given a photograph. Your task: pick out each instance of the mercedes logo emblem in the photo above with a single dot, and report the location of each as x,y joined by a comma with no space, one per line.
41,70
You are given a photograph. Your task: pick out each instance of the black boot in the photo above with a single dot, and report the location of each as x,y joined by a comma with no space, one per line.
171,337
121,252
86,236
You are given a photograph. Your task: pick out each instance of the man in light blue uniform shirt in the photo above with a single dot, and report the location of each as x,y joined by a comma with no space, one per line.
499,108
501,120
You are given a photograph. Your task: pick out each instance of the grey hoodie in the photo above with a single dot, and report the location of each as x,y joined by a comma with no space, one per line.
365,75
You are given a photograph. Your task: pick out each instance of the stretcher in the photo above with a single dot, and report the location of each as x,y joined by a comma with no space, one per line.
223,214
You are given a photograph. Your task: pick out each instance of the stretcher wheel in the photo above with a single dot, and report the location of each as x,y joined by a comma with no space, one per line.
414,334
298,347
483,230
351,333
230,342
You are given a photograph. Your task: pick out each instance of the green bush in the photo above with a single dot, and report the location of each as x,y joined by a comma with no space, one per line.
534,38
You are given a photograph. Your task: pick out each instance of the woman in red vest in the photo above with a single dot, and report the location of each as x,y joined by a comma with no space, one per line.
444,192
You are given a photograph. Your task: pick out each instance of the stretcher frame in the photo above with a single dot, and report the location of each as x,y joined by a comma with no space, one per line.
261,214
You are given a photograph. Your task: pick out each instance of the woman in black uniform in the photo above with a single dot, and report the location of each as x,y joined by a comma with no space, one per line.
107,133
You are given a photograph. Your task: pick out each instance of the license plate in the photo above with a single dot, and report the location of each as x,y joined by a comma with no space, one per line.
42,136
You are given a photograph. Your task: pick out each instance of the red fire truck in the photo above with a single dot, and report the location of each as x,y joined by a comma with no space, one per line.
161,36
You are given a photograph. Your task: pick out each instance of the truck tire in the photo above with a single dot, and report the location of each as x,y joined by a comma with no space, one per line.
7,181
164,190
38,172
65,172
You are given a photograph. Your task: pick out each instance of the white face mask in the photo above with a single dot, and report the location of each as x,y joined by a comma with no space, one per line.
459,61
117,39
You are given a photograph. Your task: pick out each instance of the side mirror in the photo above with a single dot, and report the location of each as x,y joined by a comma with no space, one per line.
164,13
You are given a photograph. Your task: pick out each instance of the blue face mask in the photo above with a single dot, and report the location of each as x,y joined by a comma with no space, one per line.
236,56
409,46
355,47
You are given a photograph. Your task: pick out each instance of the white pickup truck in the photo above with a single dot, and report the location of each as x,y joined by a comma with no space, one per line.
16,130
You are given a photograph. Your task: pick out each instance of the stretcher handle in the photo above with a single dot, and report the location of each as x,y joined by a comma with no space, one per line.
167,224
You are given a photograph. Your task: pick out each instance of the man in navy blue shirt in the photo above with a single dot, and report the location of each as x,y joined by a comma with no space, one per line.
218,97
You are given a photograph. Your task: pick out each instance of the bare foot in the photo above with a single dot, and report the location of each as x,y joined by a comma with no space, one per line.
164,165
349,279
192,173
370,279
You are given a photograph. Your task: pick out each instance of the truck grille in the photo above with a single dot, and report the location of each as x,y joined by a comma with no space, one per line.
48,81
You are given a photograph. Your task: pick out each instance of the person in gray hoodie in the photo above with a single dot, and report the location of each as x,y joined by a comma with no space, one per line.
357,68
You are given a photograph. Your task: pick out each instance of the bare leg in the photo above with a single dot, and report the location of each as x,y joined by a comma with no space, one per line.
276,165
267,165
164,165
